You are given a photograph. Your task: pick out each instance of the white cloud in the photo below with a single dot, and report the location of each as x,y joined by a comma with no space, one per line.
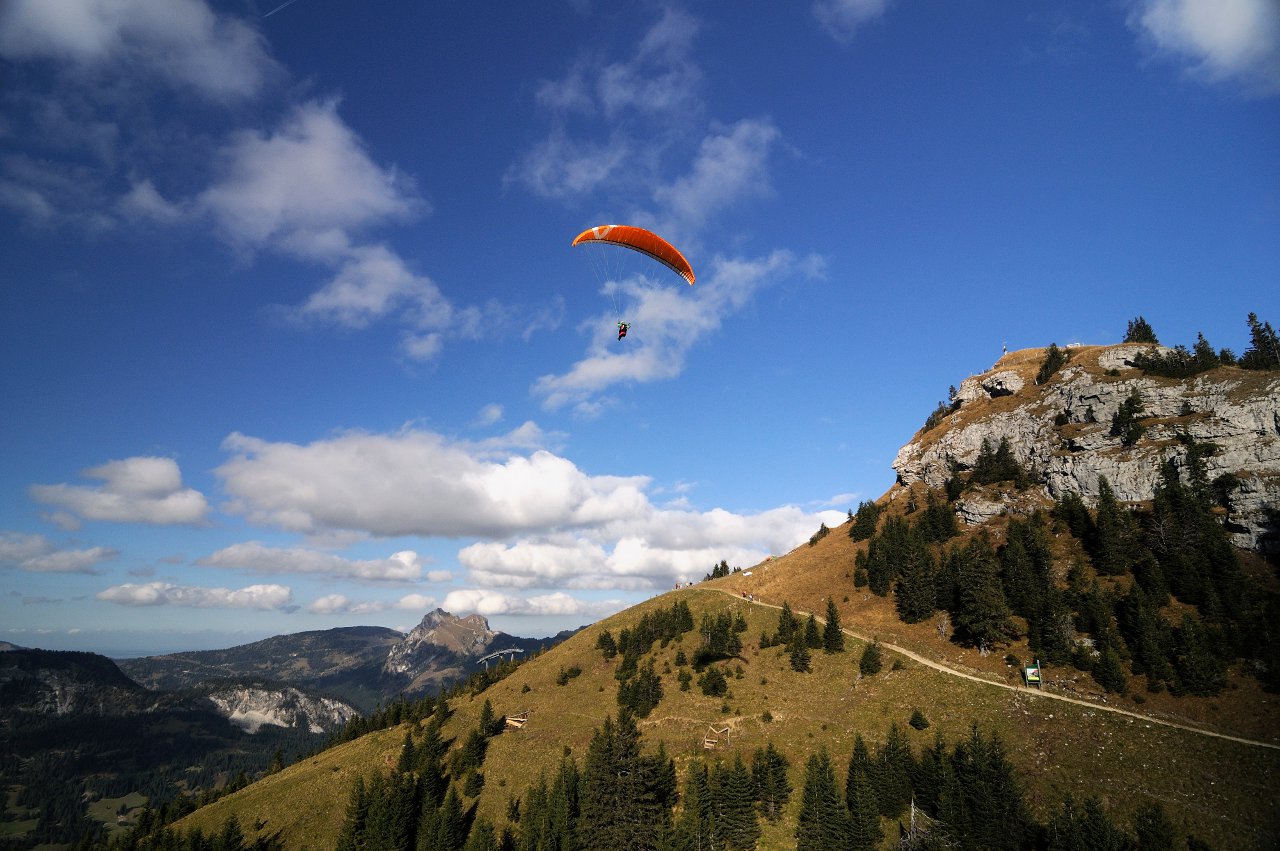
404,566
843,18
492,603
416,482
181,43
37,554
730,166
644,100
310,190
648,549
143,202
133,490
167,594
1222,39
489,414
334,604
667,322
305,186
543,523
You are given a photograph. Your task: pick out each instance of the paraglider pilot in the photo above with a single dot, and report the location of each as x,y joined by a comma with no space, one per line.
622,329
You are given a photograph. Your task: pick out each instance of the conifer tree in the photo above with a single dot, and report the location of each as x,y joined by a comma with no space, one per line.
563,807
490,724
1109,671
773,789
351,834
620,804
872,660
812,634
1140,331
1053,360
832,635
823,823
915,595
1125,423
927,781
734,806
606,645
994,810
864,816
1264,346
408,756
787,624
230,837
864,522
1118,536
798,652
450,833
982,615
895,766
482,836
695,830
939,521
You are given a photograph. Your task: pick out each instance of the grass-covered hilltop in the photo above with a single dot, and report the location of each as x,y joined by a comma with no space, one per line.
1110,513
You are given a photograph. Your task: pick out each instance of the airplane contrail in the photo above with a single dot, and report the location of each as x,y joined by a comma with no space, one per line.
278,8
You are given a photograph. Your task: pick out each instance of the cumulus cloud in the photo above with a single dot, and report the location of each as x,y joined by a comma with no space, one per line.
255,557
309,189
647,550
37,554
543,523
133,490
492,603
843,18
182,44
670,322
339,604
415,482
304,186
1221,39
265,597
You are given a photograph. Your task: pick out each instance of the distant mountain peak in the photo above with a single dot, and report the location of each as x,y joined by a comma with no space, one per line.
439,630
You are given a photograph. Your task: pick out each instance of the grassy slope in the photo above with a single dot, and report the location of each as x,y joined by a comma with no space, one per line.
1223,791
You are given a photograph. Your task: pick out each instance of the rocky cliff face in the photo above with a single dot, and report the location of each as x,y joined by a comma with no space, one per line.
1061,433
440,633
250,707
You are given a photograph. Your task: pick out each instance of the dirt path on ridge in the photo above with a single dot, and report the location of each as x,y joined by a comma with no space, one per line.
938,666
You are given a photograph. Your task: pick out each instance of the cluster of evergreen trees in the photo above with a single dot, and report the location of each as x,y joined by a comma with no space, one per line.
962,797
1179,362
1140,560
151,834
639,685
800,637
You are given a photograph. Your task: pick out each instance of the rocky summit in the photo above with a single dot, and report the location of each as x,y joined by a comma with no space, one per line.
439,630
1062,432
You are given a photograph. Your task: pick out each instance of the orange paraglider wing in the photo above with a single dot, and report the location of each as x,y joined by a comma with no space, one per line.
641,240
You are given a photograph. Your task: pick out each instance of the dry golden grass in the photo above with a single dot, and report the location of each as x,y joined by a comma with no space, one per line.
1223,791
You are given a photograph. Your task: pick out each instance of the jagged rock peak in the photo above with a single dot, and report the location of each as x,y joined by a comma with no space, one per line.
1060,432
440,631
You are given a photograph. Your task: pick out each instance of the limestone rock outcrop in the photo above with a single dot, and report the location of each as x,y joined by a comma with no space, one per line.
1060,432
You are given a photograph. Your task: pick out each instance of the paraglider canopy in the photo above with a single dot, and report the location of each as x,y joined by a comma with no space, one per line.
641,240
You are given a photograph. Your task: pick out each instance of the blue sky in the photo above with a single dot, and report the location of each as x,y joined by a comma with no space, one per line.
292,335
